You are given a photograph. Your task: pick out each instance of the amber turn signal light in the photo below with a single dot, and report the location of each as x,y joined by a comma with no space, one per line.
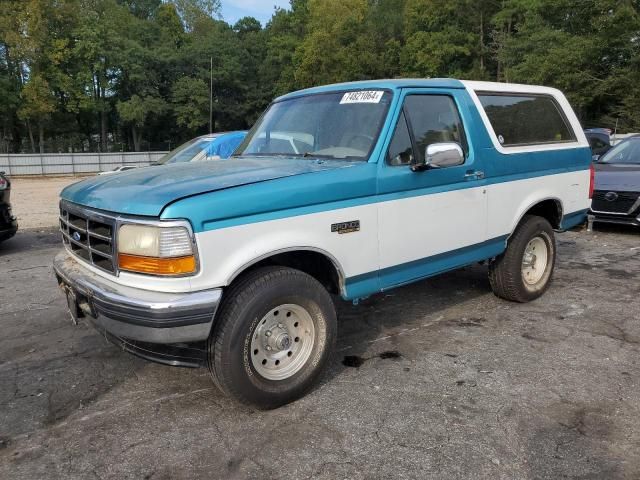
157,266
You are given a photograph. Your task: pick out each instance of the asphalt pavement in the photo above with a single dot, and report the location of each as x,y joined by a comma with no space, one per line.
437,380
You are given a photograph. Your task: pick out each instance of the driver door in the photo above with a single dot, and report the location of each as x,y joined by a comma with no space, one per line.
432,220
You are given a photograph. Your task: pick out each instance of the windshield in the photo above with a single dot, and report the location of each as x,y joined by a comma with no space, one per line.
333,125
627,152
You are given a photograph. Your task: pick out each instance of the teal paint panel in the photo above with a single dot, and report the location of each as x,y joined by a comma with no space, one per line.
398,275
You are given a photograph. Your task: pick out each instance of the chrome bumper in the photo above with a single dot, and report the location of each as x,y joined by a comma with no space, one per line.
614,219
136,314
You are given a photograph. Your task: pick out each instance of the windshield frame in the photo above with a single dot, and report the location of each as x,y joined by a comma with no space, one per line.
365,158
610,153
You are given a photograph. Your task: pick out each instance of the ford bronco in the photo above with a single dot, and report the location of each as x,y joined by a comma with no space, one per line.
344,191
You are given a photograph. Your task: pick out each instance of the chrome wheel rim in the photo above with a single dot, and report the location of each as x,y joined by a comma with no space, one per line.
282,342
534,260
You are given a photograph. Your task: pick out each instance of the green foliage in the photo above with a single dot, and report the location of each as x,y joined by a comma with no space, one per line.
37,101
331,50
190,97
194,11
137,110
131,74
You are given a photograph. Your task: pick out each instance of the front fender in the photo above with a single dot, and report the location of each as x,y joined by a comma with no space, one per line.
226,252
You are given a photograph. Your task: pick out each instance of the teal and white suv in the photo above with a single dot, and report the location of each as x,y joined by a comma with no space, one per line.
344,190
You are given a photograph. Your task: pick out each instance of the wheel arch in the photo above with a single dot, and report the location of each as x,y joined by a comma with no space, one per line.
550,208
314,261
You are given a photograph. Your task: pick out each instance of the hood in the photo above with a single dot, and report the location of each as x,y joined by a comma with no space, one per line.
617,177
146,191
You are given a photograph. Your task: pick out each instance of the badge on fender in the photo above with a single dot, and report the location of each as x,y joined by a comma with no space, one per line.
346,227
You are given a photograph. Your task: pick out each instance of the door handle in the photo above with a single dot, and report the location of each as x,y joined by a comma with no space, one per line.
474,175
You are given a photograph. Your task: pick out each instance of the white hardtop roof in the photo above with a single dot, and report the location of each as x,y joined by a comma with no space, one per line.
509,87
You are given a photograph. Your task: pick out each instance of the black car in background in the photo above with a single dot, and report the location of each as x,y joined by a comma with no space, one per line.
599,141
8,223
616,196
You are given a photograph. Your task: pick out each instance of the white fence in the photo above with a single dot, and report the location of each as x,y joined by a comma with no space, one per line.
72,163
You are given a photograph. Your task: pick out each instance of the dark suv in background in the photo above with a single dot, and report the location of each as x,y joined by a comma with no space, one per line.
8,223
616,198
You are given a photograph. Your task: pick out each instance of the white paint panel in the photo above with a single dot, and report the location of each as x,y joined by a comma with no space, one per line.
508,201
225,252
422,226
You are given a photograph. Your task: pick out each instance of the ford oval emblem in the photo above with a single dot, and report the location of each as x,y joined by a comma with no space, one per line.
611,196
76,236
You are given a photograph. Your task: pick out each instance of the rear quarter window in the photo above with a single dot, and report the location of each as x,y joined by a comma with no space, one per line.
521,119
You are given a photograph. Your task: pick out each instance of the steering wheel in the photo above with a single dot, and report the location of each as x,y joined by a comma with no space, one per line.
354,139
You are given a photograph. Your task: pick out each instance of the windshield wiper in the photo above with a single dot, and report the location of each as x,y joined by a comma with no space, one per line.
314,155
296,155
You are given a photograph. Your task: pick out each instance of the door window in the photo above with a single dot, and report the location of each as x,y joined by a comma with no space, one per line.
425,119
401,149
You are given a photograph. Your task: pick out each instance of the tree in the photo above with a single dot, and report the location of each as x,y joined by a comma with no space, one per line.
11,77
330,51
190,97
284,34
37,106
441,42
193,11
106,74
137,111
100,38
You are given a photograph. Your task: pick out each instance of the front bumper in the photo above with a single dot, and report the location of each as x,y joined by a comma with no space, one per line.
615,219
137,319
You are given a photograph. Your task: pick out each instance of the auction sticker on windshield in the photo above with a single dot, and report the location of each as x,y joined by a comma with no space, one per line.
364,96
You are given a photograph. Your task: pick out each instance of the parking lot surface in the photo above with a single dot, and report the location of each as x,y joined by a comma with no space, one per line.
35,199
437,380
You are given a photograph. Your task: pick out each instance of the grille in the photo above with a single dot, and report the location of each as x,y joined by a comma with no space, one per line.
623,204
89,235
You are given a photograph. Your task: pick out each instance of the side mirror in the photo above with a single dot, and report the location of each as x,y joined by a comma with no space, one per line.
440,155
595,158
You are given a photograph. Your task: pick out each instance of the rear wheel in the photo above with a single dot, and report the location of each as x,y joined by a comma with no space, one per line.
524,271
273,337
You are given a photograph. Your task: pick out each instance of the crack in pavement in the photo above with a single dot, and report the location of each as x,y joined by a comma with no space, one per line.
27,268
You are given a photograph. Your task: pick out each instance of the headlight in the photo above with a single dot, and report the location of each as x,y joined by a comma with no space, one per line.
156,250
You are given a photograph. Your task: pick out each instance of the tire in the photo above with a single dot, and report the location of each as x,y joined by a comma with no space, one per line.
273,337
524,271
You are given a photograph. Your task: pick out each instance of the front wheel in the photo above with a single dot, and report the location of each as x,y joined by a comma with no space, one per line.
524,271
274,335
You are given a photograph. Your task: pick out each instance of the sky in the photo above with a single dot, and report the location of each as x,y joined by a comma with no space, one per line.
233,10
